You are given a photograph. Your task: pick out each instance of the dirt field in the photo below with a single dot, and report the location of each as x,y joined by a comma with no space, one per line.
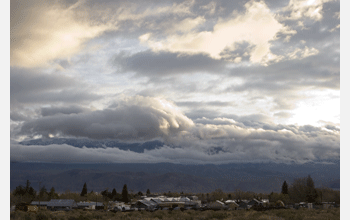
285,214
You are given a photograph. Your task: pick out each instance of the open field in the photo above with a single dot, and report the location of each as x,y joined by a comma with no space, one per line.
282,214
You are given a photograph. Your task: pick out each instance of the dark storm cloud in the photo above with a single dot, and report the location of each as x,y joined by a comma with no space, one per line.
17,116
192,104
29,86
131,121
167,63
332,127
74,109
317,71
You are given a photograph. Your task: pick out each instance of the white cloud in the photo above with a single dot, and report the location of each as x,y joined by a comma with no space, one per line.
302,53
257,26
42,32
131,11
300,9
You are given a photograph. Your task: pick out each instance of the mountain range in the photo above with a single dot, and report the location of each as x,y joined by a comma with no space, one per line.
164,177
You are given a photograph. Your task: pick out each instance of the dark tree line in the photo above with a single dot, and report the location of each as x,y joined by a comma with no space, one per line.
27,194
303,190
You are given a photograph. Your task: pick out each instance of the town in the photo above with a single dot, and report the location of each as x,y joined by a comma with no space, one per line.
302,195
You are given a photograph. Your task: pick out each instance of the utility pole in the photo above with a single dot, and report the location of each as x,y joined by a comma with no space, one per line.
39,193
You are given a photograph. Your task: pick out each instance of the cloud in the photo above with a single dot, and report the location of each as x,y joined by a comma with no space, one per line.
139,118
69,154
301,9
282,114
33,86
166,63
302,53
44,31
236,144
248,138
203,104
74,109
257,27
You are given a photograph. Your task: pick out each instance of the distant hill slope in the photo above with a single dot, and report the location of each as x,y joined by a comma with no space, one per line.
164,177
76,142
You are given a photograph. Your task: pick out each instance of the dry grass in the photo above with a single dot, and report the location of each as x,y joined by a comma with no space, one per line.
283,214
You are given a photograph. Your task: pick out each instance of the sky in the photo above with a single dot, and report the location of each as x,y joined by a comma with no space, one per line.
215,81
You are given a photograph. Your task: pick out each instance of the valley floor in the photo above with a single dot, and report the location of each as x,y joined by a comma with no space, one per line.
281,214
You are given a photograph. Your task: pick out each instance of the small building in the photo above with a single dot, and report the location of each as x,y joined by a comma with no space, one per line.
26,207
90,205
243,204
193,197
328,205
217,205
255,203
61,204
22,207
40,204
310,206
144,204
231,204
265,200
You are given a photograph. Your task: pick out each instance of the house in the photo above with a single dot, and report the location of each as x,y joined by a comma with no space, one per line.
157,200
90,205
217,205
40,204
254,203
61,204
26,207
265,200
328,205
242,204
145,204
231,204
22,207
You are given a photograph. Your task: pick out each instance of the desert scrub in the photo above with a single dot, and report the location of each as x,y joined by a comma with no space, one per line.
217,215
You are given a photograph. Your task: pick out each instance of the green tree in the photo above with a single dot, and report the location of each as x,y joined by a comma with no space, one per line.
303,190
24,194
298,190
106,194
125,196
218,194
311,193
284,188
149,192
84,190
53,194
114,194
43,194
43,191
20,191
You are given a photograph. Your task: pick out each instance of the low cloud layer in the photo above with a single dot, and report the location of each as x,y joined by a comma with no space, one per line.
145,118
139,118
